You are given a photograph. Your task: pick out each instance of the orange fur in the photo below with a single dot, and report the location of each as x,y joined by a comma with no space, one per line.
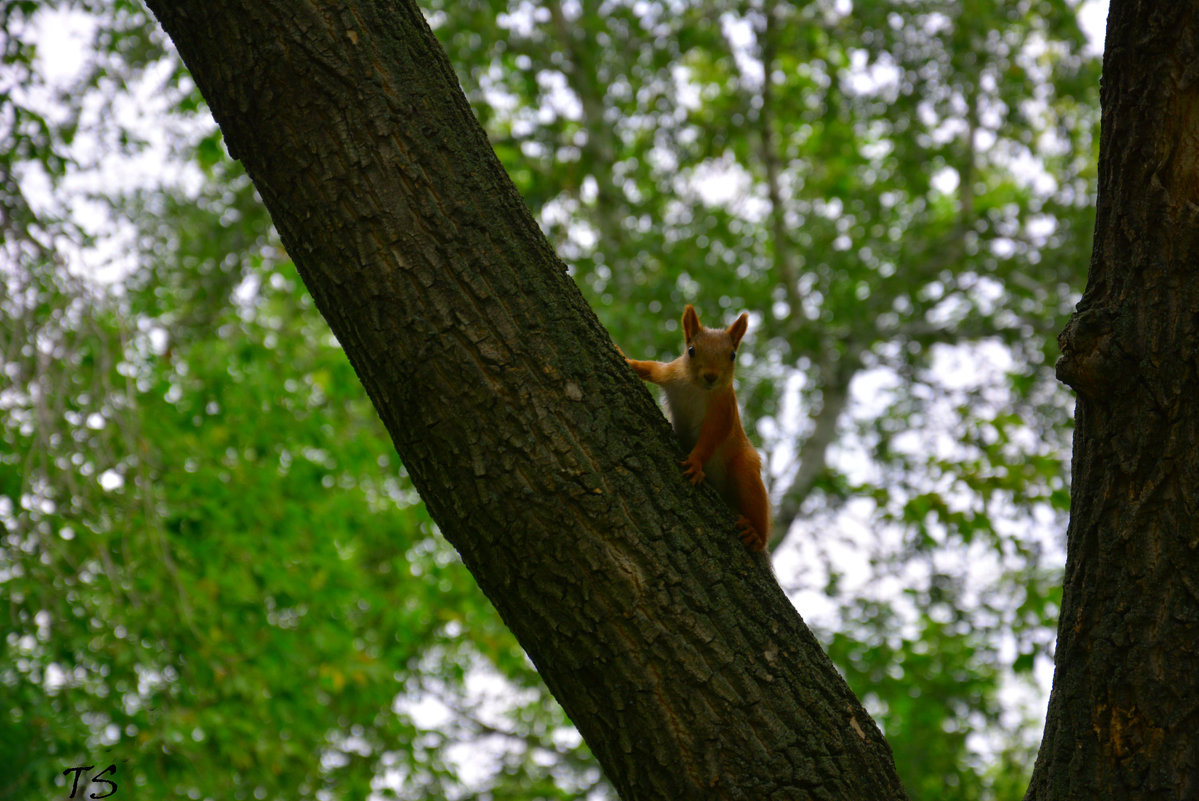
703,408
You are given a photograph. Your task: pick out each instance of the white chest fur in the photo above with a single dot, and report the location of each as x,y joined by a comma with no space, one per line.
687,405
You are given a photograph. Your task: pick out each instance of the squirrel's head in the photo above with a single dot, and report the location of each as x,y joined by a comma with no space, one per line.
711,352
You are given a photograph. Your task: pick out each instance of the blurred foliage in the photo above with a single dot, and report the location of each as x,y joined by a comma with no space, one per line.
217,575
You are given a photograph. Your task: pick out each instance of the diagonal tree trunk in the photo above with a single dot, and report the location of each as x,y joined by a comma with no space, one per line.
1123,719
537,451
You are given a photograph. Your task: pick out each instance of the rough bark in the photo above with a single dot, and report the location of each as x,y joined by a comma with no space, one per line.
538,453
1123,720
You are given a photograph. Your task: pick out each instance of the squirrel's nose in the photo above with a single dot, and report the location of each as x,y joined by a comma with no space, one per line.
710,378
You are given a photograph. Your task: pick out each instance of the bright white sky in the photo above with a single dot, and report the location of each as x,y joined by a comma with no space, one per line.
1093,19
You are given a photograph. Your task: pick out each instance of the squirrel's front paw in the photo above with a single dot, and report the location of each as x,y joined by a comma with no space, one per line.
694,469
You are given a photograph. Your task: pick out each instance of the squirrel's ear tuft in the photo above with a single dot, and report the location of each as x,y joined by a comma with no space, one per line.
737,329
690,323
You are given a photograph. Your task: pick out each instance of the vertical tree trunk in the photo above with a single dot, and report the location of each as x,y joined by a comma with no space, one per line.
1123,719
538,453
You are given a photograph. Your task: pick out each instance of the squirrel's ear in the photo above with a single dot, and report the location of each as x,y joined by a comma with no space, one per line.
690,323
737,329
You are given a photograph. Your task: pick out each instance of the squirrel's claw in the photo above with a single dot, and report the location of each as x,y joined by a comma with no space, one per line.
752,538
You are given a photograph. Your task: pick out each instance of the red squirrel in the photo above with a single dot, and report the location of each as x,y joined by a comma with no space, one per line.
703,409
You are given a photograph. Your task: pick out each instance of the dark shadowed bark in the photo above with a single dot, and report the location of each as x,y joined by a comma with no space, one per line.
1123,718
539,454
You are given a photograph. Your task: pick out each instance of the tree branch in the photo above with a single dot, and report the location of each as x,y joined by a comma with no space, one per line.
784,259
539,454
813,455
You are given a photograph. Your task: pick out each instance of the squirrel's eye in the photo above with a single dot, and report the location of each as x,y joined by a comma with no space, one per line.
691,351
732,356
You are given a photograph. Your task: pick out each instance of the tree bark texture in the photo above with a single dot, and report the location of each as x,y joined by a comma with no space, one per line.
538,453
1123,720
